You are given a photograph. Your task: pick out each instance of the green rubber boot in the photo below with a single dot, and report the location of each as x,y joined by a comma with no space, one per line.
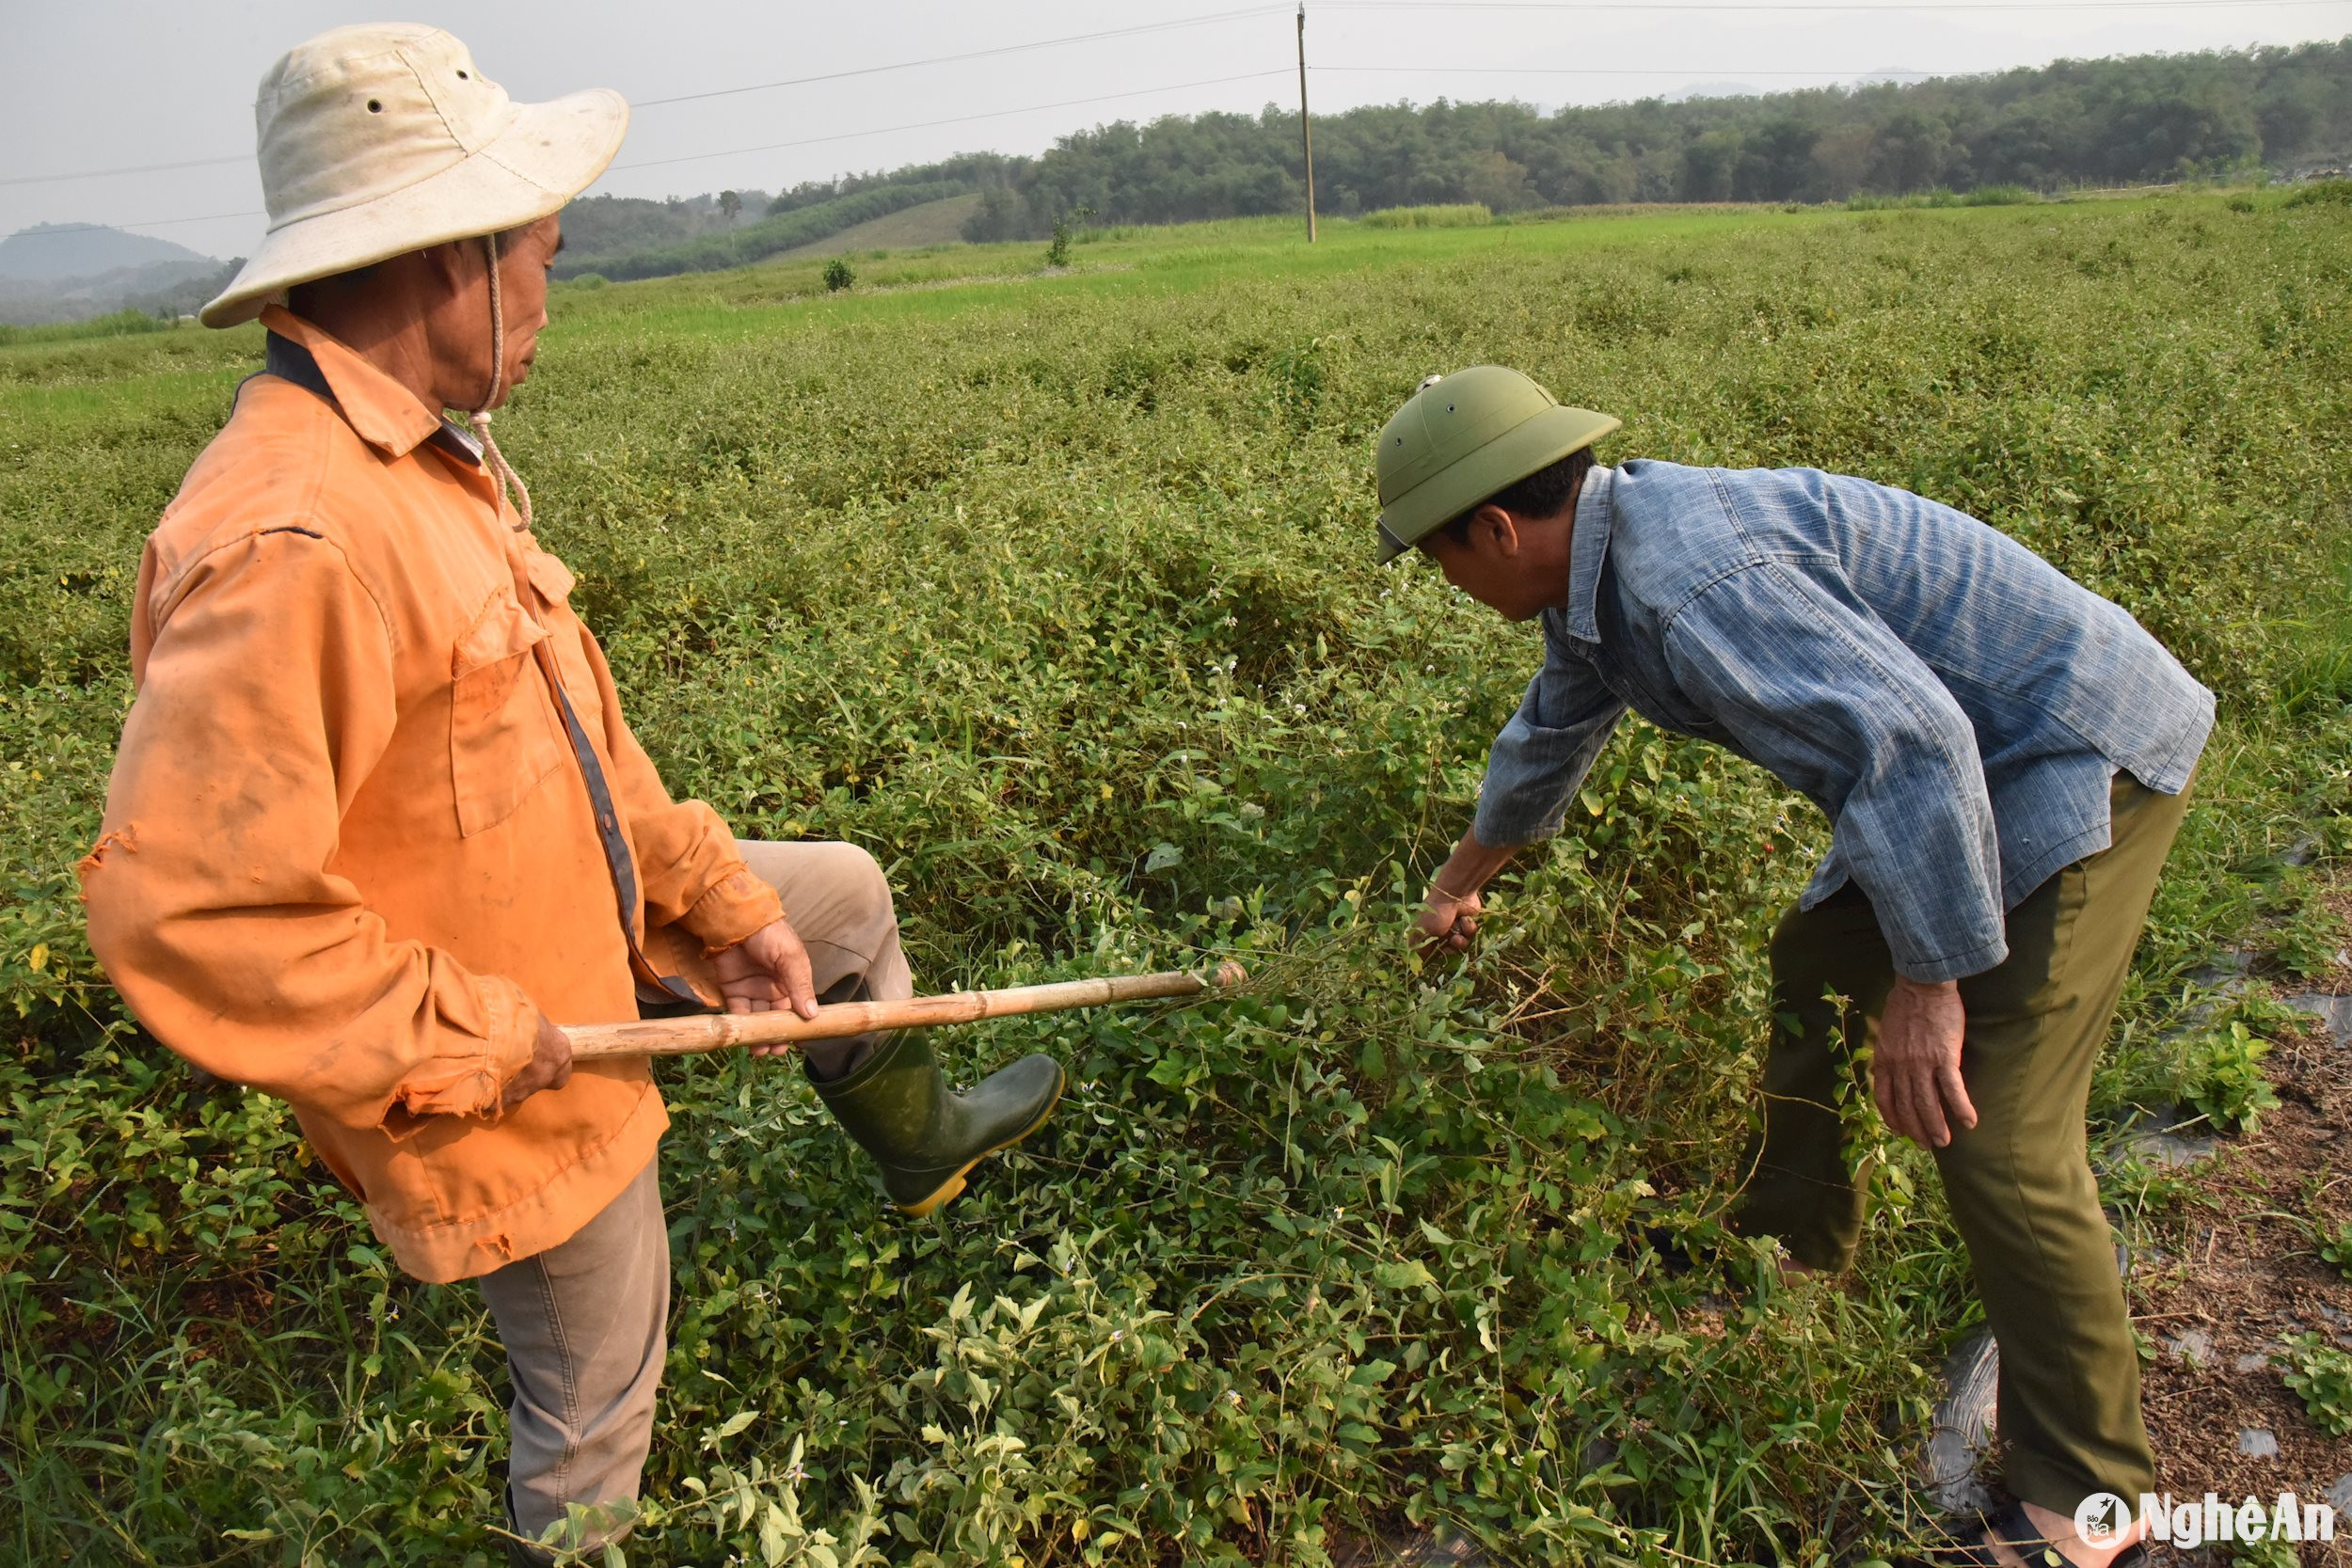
896,1104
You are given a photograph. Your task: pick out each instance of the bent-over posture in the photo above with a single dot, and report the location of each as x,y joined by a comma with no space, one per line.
2004,757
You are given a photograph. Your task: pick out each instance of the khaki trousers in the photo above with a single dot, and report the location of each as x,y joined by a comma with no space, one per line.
583,1323
2019,1183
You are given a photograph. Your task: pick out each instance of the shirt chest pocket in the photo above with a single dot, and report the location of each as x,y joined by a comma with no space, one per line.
552,582
503,736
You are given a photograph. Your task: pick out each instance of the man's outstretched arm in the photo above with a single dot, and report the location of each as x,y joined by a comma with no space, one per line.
1537,763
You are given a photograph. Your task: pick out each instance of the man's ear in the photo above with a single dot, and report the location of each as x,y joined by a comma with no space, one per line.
1491,522
449,266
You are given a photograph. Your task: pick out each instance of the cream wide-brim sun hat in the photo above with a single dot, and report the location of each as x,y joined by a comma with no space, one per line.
381,139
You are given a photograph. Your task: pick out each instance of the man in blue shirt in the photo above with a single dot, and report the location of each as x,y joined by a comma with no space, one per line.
2004,759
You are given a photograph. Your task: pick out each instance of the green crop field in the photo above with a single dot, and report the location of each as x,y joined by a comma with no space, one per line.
1056,591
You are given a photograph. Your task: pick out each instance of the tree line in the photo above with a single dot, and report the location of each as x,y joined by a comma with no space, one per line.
2138,119
2077,122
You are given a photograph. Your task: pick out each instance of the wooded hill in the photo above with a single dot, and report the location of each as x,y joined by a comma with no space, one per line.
2116,121
2077,122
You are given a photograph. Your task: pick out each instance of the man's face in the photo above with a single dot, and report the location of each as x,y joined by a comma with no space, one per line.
523,264
459,317
1494,567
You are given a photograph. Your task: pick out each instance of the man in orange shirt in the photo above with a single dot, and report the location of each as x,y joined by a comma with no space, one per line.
377,822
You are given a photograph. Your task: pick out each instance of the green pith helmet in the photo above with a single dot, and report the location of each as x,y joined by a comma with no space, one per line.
1464,437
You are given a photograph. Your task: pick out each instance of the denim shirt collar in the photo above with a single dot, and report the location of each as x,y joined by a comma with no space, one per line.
1587,549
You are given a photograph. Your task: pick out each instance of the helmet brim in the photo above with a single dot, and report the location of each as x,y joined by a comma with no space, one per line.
1536,443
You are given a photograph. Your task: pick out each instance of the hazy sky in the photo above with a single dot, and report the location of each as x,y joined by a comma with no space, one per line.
101,84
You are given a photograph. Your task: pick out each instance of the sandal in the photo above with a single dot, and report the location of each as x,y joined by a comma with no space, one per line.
1972,1548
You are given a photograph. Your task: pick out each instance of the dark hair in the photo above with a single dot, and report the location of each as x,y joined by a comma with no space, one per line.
1544,493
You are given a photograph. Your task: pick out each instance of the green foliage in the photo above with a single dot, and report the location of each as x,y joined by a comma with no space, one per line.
736,248
839,275
2321,1375
2230,1088
1057,253
2069,124
999,216
1982,196
2307,931
113,324
1058,595
964,170
2334,1243
1994,139
2319,192
2265,1553
606,225
1468,214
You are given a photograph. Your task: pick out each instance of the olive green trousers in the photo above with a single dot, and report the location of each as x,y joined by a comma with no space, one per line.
2019,1183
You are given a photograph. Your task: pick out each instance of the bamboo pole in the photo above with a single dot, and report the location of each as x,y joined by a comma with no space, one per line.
686,1036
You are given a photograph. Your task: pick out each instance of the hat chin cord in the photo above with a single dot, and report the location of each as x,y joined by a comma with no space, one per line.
508,478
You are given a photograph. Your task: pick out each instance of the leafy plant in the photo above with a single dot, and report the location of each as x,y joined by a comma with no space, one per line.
2322,1374
2231,1087
2335,1243
2270,1552
839,275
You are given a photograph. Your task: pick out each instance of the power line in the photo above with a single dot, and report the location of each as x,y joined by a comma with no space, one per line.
127,168
1711,5
142,223
1715,6
972,54
726,92
733,151
952,119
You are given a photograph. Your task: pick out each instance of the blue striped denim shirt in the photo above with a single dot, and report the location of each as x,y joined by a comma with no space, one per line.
1955,706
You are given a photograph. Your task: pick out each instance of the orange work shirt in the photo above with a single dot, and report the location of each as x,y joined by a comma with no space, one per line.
349,855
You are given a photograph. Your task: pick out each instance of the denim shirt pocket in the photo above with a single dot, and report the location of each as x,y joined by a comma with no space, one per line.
502,735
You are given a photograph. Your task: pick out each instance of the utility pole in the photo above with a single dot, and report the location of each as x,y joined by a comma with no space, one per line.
1306,129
